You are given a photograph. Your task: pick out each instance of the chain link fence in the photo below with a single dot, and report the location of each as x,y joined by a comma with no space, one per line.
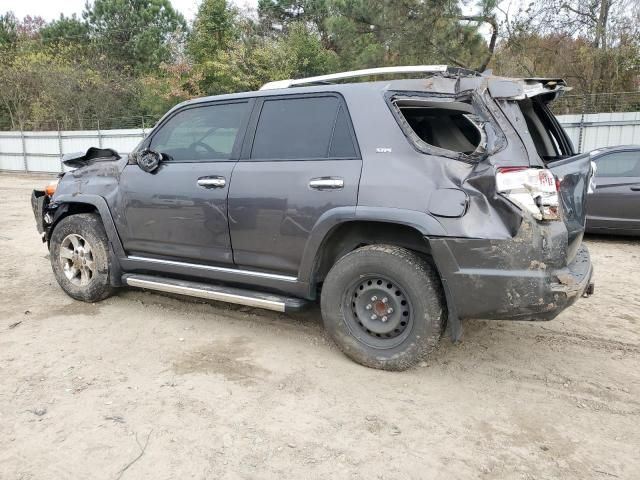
600,120
597,103
591,121
144,122
567,105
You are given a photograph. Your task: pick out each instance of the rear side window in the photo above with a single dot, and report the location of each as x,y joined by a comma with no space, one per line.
620,164
202,133
303,128
342,141
448,127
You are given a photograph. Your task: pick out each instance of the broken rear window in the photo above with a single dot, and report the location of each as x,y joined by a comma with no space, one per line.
550,140
441,126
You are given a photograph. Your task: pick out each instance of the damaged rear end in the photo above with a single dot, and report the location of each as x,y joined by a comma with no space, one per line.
539,189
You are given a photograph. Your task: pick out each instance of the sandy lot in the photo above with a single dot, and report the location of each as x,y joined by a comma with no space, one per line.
205,390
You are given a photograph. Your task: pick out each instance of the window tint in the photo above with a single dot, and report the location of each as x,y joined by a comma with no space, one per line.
342,142
298,128
550,141
622,164
202,133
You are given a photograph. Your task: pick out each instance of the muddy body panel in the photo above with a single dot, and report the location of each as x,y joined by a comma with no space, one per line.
507,280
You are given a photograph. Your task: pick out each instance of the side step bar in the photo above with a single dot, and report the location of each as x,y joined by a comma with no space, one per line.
240,296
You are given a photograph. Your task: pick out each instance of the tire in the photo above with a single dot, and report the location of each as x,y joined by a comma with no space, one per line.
397,287
79,254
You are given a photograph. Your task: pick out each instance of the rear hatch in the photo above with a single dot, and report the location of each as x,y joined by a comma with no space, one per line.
548,146
574,175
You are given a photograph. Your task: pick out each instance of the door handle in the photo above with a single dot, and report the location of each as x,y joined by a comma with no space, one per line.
212,182
326,183
635,189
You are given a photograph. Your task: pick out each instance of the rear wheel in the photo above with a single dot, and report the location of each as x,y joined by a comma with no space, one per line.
383,306
79,253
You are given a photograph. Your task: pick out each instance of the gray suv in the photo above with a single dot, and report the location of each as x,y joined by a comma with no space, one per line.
401,205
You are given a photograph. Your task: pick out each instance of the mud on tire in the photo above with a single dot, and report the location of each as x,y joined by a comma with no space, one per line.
383,306
79,254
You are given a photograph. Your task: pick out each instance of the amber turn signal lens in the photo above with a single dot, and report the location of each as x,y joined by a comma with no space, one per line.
51,188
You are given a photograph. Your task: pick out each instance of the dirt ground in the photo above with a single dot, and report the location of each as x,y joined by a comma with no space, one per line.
147,386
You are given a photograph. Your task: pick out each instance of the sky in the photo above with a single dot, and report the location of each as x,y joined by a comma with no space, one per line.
50,10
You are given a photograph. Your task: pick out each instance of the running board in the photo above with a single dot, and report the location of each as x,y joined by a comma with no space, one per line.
240,296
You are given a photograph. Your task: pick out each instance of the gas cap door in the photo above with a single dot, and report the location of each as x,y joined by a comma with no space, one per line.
448,202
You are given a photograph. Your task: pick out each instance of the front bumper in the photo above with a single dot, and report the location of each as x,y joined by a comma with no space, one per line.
39,204
514,288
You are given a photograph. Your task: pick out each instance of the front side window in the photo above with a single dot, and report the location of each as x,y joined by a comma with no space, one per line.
619,164
303,128
201,133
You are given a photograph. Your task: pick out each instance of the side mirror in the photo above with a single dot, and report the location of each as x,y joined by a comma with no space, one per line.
148,160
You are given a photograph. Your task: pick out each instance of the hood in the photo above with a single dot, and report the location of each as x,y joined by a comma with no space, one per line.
93,154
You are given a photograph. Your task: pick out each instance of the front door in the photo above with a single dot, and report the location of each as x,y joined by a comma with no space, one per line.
300,160
179,211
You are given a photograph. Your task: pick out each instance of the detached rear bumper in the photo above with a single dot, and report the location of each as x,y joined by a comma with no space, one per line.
514,289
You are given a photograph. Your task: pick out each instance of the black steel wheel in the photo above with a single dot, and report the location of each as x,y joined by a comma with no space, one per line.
378,311
383,306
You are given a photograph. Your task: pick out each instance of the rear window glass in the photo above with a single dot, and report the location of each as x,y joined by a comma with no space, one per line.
450,126
549,139
302,128
620,164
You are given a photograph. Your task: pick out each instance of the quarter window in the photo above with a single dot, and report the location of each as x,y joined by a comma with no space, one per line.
201,133
342,141
621,164
441,126
303,128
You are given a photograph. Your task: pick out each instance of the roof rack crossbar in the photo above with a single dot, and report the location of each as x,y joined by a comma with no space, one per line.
354,74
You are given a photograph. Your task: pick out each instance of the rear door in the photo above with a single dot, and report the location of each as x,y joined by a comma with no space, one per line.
300,159
615,203
179,211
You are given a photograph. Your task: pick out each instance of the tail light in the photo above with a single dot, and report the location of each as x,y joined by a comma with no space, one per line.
532,189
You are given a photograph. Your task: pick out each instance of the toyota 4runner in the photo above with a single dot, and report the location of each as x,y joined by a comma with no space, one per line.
401,205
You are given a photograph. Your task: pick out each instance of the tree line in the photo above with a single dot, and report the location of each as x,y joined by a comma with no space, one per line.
125,58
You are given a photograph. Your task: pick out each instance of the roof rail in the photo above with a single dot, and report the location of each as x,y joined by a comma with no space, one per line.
354,74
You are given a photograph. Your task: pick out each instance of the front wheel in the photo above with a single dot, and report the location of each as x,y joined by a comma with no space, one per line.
383,306
79,253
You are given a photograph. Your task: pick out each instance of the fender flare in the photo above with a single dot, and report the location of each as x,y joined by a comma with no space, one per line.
423,222
100,204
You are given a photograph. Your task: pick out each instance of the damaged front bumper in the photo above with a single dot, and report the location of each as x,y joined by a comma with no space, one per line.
479,287
40,204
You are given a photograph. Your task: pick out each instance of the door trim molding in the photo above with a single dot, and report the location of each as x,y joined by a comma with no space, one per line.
237,271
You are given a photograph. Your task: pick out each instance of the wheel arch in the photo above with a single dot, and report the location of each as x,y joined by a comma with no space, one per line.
66,205
342,230
348,236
